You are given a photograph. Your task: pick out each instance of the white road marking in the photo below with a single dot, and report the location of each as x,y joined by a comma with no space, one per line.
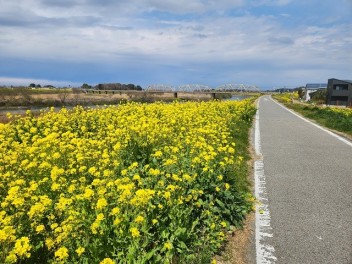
321,128
263,230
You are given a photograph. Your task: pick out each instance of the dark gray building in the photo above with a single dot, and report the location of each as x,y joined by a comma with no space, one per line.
339,92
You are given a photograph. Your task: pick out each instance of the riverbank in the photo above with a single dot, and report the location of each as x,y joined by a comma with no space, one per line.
71,97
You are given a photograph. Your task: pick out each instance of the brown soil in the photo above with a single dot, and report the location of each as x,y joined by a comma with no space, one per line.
238,248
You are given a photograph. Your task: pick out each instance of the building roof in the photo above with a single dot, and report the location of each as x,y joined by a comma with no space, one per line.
316,85
346,81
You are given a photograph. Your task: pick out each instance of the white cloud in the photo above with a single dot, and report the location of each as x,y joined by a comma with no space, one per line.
206,39
128,33
271,2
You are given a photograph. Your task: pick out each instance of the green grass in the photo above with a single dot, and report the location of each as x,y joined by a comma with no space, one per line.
328,117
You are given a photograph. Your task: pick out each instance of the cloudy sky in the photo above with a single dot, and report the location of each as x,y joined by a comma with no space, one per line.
212,42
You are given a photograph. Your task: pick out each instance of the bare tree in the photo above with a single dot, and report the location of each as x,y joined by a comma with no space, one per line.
63,94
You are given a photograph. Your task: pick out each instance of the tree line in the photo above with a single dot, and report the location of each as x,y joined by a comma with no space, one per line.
112,86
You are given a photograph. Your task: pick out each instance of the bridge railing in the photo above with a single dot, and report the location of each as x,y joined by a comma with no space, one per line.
203,88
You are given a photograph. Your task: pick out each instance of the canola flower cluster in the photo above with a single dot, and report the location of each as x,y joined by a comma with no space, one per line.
340,112
287,97
134,183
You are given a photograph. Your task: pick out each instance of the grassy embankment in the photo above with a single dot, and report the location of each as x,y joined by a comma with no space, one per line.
336,118
71,97
46,97
136,183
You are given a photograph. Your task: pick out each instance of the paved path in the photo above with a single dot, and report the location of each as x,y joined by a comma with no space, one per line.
308,180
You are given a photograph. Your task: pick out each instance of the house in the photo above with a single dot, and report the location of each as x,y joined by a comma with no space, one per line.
312,88
339,92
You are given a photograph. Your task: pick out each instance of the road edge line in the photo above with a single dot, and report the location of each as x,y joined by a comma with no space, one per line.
316,125
264,251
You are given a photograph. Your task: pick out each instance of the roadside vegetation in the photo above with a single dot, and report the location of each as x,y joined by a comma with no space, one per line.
336,118
134,183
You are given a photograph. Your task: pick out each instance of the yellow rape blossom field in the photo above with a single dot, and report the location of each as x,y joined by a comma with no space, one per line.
134,183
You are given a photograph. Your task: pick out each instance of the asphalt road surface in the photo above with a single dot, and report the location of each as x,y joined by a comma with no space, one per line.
308,175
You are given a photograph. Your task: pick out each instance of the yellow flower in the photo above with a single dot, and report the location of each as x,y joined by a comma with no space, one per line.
100,217
92,170
107,261
56,155
134,232
80,251
101,203
187,177
40,228
94,227
167,195
107,173
7,233
154,172
55,186
139,219
49,243
223,224
88,193
22,247
168,246
117,221
158,154
61,253
136,177
115,211
11,258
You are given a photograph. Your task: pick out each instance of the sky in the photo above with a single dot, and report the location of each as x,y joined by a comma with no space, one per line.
271,44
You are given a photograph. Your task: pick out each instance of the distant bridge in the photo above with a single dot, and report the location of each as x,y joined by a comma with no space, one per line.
184,90
203,88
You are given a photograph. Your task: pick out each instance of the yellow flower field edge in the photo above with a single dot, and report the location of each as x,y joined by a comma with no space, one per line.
286,97
134,183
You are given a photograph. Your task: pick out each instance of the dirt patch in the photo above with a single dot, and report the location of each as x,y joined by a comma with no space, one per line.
238,248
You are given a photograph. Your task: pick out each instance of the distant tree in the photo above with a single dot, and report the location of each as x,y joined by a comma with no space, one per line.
300,92
38,86
32,85
130,86
86,86
319,95
117,86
